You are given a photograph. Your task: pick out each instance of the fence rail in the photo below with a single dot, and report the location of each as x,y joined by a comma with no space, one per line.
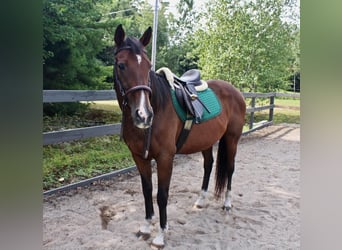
51,96
77,95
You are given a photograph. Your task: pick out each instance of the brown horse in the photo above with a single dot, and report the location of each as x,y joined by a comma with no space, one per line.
151,127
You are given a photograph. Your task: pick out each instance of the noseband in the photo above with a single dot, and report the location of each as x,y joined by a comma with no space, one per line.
125,92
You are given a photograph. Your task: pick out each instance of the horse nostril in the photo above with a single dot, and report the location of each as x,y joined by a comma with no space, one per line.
140,114
143,118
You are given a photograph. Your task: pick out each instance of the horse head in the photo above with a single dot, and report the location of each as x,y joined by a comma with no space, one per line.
131,76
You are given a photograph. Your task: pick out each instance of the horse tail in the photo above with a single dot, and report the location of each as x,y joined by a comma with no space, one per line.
221,167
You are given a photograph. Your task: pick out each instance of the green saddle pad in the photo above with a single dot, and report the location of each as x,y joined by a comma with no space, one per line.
209,99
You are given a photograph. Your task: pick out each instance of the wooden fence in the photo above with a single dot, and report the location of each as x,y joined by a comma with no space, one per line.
51,96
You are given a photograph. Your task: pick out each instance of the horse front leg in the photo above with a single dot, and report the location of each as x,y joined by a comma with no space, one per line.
164,167
145,170
208,165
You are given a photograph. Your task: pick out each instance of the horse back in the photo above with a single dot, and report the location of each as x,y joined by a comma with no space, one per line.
233,104
232,100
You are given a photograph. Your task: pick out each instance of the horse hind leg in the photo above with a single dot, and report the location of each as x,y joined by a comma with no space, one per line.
208,164
225,168
231,152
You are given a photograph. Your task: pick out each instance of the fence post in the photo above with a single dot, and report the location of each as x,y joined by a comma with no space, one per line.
251,118
270,117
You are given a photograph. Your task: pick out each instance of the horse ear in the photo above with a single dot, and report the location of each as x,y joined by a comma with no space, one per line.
146,37
119,35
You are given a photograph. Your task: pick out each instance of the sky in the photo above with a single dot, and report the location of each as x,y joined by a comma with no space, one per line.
201,4
173,4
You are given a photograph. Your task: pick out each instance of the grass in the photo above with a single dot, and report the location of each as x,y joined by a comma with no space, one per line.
287,102
71,162
105,105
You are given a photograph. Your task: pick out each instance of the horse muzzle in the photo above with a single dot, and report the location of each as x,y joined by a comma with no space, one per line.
143,118
142,112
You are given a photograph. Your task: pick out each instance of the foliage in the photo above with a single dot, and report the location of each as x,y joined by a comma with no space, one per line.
74,34
247,43
179,56
52,109
145,19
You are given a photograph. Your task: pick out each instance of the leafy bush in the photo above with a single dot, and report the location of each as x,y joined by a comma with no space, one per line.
73,108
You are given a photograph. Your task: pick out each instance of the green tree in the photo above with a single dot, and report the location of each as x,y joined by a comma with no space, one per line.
143,19
74,34
136,21
179,56
76,53
247,43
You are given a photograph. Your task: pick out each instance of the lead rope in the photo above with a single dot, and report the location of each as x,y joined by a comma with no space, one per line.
148,135
122,123
147,142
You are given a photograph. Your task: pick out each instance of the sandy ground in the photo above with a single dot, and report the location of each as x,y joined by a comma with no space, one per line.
265,213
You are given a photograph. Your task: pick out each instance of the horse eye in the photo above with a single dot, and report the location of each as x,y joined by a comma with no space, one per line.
121,66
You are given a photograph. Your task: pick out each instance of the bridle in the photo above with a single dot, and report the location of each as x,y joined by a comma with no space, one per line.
125,92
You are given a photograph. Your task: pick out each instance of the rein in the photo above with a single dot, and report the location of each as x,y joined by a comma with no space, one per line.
124,94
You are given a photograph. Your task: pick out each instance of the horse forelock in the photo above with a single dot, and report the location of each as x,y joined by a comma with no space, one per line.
132,44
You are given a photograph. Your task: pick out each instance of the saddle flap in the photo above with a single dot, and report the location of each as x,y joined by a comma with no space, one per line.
183,99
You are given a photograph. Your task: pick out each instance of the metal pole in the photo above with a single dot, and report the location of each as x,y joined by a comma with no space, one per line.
294,82
154,36
251,118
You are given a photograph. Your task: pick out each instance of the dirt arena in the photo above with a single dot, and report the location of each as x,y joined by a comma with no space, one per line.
265,213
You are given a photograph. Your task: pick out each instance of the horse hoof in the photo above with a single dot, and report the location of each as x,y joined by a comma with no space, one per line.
158,241
158,244
227,209
200,202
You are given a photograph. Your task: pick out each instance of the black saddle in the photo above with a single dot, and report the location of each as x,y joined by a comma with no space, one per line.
192,76
187,94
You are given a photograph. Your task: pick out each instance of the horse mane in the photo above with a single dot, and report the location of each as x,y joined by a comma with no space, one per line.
161,93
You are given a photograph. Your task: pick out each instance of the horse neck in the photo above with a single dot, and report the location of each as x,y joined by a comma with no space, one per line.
160,92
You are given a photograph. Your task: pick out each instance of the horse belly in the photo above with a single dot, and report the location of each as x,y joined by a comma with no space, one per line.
202,136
